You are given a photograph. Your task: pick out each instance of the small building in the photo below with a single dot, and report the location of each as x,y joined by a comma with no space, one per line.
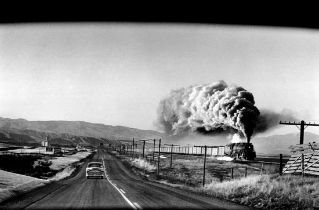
44,143
55,150
80,148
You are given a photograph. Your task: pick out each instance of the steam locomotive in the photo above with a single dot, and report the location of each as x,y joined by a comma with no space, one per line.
240,151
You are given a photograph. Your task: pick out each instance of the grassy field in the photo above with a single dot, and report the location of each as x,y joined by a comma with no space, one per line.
268,191
189,169
263,189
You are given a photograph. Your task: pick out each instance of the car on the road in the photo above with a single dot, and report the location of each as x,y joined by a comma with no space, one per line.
95,170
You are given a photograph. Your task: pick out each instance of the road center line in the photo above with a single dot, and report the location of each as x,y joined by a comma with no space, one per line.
122,194
138,206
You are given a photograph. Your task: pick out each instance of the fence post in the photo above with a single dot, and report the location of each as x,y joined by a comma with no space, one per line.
171,156
158,158
154,151
204,165
302,164
261,169
232,173
280,165
246,171
143,148
133,149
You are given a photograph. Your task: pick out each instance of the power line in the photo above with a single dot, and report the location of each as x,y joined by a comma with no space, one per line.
302,126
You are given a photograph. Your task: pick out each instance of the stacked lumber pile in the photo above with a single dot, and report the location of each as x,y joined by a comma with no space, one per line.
304,148
304,159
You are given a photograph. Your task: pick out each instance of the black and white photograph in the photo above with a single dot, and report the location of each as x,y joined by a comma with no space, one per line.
159,114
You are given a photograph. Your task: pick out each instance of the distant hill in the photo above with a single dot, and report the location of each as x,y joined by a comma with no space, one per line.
79,128
67,132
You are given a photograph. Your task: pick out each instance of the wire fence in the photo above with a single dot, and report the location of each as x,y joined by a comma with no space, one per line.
189,165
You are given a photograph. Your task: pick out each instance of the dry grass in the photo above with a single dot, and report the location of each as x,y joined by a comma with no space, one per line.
190,171
269,191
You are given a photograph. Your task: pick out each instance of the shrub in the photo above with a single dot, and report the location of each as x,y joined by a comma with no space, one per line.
143,164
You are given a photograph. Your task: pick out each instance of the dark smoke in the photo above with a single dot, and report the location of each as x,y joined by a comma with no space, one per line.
269,120
209,109
217,131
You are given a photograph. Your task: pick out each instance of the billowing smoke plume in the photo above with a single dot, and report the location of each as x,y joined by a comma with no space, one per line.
268,119
211,109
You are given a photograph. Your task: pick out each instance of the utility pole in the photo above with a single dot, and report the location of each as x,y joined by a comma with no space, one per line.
154,150
20,144
133,148
124,146
204,165
204,169
158,158
144,145
302,127
172,145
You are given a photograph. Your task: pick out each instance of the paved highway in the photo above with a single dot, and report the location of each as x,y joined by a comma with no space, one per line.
121,189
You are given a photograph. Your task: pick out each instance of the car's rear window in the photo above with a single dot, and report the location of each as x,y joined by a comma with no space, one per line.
94,165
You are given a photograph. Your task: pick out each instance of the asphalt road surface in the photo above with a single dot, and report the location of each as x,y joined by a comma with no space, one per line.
121,189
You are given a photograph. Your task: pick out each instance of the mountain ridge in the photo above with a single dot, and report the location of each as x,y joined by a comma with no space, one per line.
78,128
80,132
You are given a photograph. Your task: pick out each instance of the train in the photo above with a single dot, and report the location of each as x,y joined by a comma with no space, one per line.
240,151
237,151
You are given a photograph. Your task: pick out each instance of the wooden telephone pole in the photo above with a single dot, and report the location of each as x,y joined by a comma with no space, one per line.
125,144
144,145
154,150
133,146
158,157
302,127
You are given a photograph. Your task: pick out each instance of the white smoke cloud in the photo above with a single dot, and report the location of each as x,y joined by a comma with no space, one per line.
237,139
211,108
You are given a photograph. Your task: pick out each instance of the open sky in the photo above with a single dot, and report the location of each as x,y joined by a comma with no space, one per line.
117,74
